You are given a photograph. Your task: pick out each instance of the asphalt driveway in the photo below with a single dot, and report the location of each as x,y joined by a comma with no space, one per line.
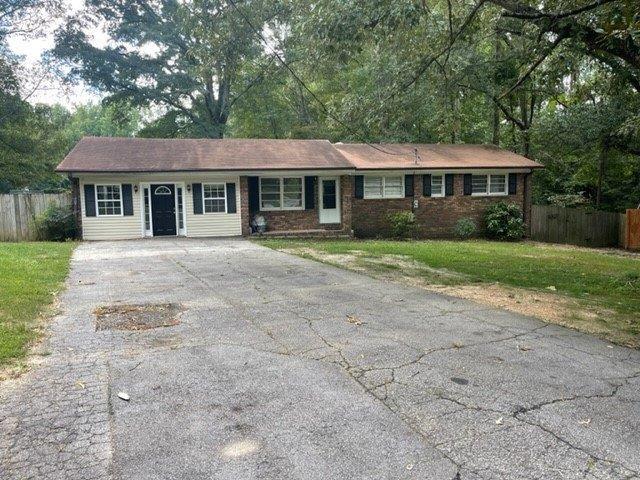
281,367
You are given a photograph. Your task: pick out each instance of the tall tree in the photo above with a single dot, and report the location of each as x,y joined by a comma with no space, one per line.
187,57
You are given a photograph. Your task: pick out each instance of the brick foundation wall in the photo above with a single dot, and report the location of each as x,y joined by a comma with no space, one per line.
292,220
436,216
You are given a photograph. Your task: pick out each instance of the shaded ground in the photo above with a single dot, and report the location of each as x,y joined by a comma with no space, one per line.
286,368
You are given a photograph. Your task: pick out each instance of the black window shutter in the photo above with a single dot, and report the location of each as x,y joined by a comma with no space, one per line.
408,185
359,186
231,198
467,184
426,185
309,193
513,183
448,184
197,198
254,194
90,200
127,199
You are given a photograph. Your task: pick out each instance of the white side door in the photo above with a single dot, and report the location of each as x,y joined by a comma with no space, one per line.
329,193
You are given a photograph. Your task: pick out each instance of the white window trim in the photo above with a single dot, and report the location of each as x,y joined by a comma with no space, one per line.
487,192
204,211
443,186
383,196
281,207
95,193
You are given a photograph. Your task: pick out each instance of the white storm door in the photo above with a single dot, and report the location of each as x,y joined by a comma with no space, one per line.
329,193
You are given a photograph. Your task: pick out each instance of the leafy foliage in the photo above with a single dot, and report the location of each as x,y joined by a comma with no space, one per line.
465,228
403,224
504,221
57,223
190,58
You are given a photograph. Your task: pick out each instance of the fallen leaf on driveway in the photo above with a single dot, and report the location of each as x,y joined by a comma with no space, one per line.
585,422
458,345
499,421
354,320
552,288
524,348
124,396
80,384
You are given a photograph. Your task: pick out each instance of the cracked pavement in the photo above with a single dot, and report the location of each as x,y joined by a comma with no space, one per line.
282,367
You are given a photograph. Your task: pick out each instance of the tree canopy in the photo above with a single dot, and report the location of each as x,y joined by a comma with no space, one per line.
558,81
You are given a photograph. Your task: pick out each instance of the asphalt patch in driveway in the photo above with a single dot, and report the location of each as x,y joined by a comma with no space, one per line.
137,317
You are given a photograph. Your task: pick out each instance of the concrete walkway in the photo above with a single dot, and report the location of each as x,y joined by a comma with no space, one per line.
286,368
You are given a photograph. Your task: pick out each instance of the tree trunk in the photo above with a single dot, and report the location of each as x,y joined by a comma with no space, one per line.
495,139
526,142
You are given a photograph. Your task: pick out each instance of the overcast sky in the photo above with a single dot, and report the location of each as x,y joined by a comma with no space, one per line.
51,91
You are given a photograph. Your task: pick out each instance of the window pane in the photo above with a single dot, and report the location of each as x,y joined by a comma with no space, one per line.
214,196
393,186
213,190
108,199
329,194
180,209
147,221
373,187
497,184
436,185
479,184
214,205
292,192
269,193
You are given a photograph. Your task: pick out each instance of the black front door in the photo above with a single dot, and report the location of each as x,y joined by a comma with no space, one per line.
163,209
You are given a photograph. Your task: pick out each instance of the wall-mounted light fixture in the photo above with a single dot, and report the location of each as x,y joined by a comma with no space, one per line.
135,188
189,187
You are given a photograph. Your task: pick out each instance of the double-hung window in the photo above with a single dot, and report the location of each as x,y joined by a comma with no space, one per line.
214,197
389,186
437,185
282,193
109,200
494,184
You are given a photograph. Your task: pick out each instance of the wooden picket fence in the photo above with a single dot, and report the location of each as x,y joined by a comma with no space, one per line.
577,226
18,210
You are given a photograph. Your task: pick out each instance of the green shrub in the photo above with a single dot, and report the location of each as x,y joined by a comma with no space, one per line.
56,223
504,221
465,228
403,224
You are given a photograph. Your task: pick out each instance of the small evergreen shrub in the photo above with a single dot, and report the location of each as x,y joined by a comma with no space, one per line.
504,221
403,224
56,223
465,228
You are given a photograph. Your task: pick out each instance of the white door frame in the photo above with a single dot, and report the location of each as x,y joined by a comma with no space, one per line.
148,184
334,215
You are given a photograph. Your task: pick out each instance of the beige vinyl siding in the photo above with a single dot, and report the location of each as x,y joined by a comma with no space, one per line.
110,228
213,224
126,227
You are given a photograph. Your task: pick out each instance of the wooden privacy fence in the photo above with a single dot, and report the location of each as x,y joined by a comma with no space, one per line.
17,211
550,223
631,233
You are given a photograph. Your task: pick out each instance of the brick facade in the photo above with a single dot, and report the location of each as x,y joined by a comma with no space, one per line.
292,220
436,216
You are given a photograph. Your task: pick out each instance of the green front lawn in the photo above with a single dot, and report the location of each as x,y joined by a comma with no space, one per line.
605,282
31,273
